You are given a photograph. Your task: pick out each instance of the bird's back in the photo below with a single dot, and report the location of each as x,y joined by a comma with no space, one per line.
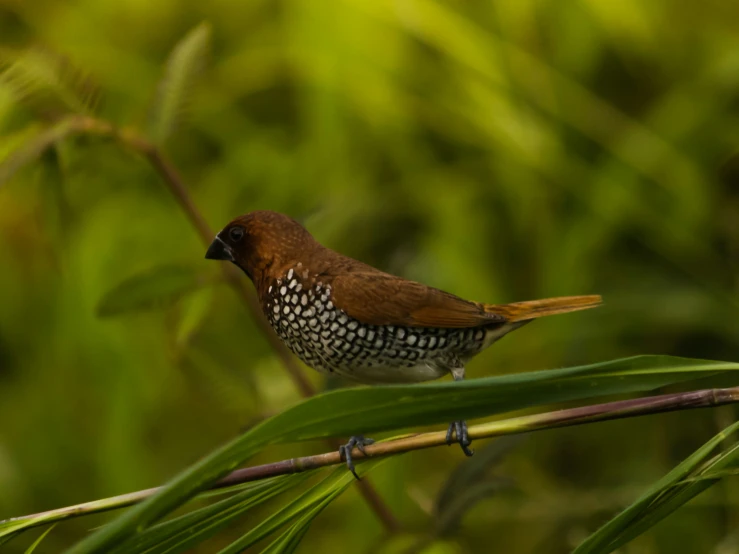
365,343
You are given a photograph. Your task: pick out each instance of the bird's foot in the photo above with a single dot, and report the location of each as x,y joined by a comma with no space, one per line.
458,430
345,450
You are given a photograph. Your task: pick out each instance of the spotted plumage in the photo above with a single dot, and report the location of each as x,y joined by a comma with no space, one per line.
330,341
342,316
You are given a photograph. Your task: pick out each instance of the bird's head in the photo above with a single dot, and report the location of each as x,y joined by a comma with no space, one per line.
260,242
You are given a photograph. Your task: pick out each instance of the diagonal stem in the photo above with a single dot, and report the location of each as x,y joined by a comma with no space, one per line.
517,425
91,126
176,186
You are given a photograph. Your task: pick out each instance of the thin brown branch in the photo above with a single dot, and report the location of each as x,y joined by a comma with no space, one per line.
524,424
175,184
177,187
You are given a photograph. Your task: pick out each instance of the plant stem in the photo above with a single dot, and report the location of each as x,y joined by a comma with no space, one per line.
176,186
171,178
524,424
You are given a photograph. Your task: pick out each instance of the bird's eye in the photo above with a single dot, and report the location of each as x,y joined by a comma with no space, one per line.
236,234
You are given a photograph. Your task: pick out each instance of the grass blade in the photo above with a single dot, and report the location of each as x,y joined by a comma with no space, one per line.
184,65
35,544
473,470
184,532
664,497
290,539
307,503
34,147
469,483
50,84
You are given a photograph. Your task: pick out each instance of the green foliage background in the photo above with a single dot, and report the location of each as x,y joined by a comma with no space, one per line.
502,151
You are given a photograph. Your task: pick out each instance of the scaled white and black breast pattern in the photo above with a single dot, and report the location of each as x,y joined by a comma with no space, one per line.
330,341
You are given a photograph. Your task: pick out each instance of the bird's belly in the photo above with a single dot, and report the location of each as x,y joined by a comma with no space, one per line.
330,341
388,374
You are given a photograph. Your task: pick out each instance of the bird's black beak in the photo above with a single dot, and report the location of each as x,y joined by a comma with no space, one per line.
219,250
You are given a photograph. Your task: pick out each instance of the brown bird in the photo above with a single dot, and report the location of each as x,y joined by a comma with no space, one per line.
342,316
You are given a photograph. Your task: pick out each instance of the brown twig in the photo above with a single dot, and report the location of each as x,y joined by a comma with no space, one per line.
171,178
524,424
176,186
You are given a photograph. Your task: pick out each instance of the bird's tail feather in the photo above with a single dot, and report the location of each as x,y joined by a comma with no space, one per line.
532,309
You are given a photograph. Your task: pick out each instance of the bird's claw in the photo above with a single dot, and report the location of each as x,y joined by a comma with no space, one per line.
345,451
458,430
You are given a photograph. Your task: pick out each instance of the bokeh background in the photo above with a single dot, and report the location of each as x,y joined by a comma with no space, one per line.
502,150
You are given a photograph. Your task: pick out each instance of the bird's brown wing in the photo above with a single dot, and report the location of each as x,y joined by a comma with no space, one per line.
378,298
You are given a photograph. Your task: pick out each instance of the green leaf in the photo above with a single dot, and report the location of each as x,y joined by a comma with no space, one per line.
309,505
50,84
194,311
369,409
184,65
448,519
155,288
33,147
8,535
473,470
665,496
469,483
381,408
290,539
184,532
35,544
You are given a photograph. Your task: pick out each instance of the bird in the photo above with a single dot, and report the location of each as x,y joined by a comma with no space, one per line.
343,317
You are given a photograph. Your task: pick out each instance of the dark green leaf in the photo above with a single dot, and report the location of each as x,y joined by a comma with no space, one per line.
469,483
184,532
473,470
7,535
339,413
156,288
448,519
35,544
664,497
289,540
308,505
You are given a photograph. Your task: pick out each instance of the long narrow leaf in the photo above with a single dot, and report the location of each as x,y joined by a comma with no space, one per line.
9,536
183,66
371,409
184,532
664,497
472,471
37,542
320,495
157,287
290,539
32,149
674,498
50,83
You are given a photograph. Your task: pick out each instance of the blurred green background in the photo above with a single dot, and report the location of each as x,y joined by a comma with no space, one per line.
502,151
